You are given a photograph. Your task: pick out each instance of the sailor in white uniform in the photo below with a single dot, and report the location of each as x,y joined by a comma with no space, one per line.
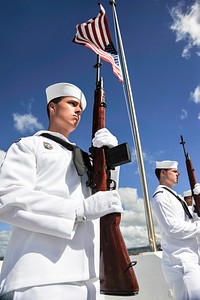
53,252
179,234
187,195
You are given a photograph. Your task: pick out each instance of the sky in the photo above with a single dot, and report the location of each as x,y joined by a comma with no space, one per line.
161,40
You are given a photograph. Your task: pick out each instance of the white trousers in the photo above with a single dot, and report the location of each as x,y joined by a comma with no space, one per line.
85,290
184,280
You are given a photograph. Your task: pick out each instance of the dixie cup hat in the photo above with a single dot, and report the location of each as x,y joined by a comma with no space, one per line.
64,89
166,164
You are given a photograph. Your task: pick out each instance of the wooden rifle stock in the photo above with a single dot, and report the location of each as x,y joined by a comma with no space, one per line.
191,176
117,276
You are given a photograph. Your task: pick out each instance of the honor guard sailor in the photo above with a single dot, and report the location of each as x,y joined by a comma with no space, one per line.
187,195
53,251
179,234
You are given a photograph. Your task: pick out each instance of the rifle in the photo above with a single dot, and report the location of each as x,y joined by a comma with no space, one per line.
117,276
192,178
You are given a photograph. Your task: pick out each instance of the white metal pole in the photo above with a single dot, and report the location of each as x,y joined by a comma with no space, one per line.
148,212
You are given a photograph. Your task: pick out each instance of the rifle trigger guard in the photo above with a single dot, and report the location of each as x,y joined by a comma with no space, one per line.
132,264
111,184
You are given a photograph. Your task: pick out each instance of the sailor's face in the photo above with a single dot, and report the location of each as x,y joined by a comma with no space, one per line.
188,199
171,176
67,113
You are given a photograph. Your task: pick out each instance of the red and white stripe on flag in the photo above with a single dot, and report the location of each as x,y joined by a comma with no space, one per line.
95,35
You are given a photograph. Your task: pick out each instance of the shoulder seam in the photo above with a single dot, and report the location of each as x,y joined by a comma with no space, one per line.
157,193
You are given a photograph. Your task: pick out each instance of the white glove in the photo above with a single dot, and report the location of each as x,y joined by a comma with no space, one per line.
99,205
103,137
196,189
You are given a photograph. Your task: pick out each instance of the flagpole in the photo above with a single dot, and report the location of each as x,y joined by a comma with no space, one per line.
148,212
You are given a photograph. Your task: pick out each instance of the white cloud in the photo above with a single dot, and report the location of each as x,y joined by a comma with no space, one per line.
26,123
133,222
184,114
187,26
4,237
146,156
195,96
27,105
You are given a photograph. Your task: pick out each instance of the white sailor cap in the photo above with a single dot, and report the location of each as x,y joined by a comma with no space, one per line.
187,193
64,89
166,164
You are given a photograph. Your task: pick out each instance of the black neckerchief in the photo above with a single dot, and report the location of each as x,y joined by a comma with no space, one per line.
80,158
185,207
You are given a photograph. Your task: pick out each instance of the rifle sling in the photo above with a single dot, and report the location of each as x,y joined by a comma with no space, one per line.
185,207
80,158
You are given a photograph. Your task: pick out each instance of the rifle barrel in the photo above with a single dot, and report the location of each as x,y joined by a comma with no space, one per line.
183,144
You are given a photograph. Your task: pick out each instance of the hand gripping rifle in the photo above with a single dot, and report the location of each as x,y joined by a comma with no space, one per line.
191,176
117,276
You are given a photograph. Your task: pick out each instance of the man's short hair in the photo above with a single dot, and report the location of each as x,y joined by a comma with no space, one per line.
158,171
55,100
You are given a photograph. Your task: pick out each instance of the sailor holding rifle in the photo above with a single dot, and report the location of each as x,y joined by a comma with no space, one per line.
53,252
179,234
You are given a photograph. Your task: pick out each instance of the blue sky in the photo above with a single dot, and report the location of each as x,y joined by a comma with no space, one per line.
162,47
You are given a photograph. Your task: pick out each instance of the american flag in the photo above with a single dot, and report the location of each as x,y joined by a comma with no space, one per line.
95,35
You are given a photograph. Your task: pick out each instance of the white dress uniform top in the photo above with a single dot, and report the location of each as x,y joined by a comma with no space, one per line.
33,186
179,243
